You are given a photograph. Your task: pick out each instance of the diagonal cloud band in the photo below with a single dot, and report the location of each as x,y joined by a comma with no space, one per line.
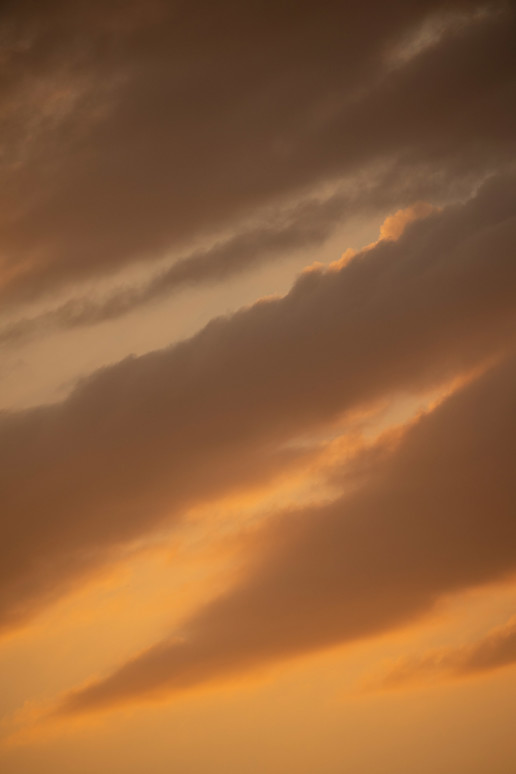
138,442
433,517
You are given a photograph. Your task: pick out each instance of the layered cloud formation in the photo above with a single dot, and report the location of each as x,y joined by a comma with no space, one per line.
150,124
434,516
138,442
152,150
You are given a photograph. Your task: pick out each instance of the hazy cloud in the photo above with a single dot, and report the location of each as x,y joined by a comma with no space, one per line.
304,226
148,124
494,651
434,516
326,464
138,442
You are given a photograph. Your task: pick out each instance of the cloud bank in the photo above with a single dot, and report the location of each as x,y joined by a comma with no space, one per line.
151,124
137,443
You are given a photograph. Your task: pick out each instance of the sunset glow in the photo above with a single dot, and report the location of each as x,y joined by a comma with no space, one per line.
258,387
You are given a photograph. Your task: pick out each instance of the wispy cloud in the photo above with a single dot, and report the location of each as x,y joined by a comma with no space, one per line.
496,650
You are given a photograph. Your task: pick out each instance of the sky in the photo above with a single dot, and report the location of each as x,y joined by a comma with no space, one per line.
257,387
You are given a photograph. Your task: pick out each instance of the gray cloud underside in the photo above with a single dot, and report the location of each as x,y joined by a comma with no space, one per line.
154,123
306,225
137,443
434,516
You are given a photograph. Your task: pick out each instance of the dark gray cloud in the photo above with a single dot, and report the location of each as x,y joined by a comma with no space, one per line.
149,123
138,442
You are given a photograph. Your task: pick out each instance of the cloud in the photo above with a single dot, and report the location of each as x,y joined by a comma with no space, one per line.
137,443
153,124
395,225
304,226
494,651
433,516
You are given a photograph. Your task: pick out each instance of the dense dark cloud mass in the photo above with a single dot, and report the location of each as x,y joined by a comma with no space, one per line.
432,517
130,128
141,440
306,225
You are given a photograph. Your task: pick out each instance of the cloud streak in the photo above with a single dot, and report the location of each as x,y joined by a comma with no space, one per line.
497,650
137,443
434,516
305,226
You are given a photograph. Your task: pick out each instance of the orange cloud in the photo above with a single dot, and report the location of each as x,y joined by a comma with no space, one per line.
433,516
394,226
497,650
